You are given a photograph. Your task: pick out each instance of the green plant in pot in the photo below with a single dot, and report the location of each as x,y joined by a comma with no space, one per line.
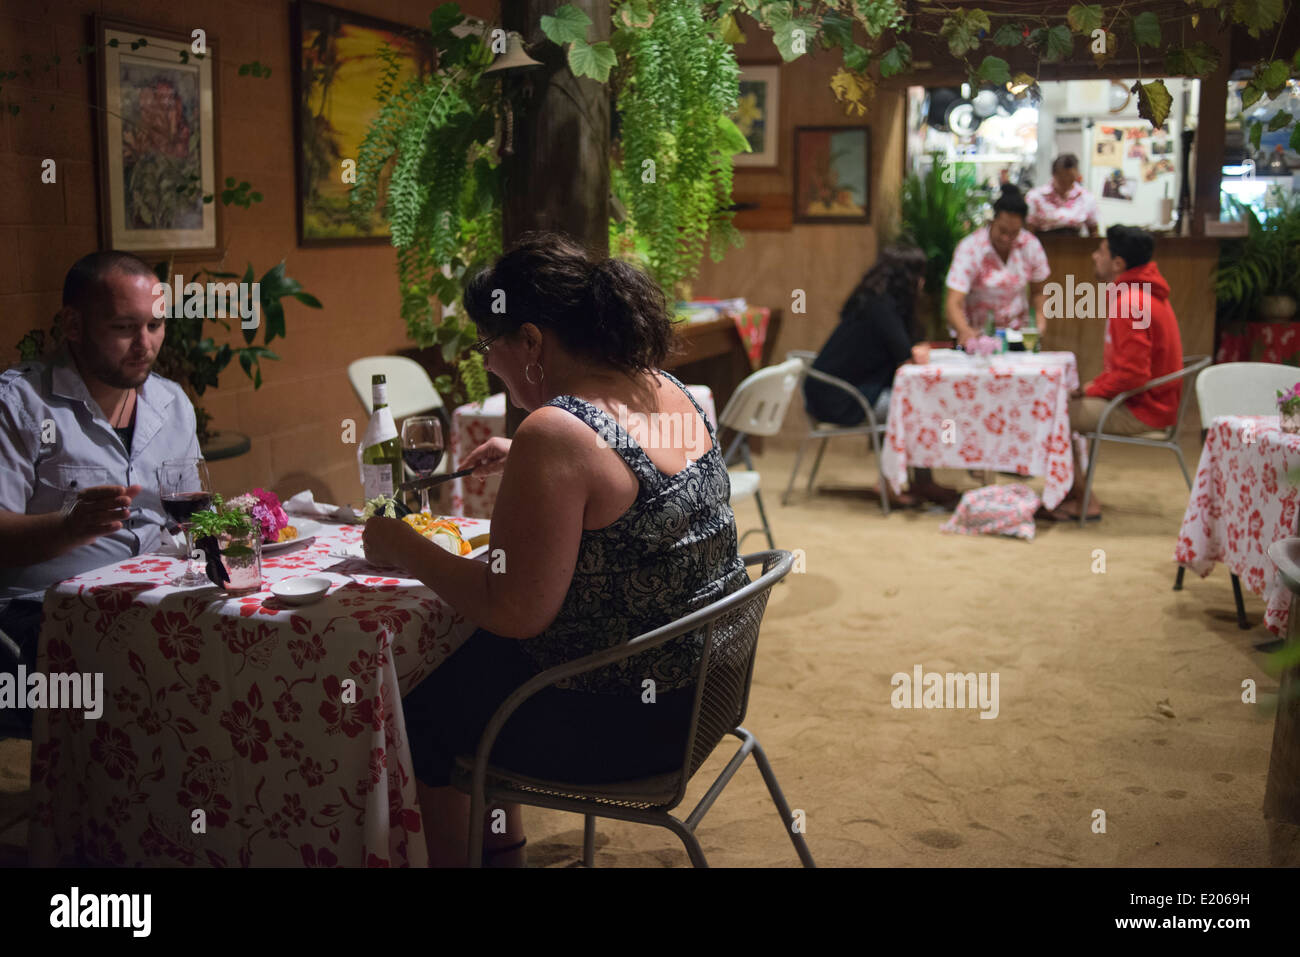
937,211
232,546
1260,275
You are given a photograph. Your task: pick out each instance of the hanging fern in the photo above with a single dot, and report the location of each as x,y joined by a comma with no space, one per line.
434,138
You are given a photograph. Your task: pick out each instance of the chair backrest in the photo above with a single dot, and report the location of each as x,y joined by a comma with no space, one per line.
760,402
1192,366
727,664
410,390
1242,388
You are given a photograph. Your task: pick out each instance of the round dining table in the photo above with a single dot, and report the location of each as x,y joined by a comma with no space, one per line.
237,730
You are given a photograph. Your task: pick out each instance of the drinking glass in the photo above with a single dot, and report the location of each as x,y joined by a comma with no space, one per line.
185,489
422,449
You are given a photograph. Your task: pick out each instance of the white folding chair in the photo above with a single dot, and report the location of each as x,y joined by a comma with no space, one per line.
757,407
871,427
410,392
1239,388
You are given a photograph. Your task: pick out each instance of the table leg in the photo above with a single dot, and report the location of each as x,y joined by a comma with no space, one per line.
1242,623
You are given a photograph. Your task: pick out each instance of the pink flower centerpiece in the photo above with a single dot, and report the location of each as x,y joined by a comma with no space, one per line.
1288,404
266,511
983,347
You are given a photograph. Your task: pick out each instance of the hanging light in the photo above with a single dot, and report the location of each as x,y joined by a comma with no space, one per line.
515,57
514,60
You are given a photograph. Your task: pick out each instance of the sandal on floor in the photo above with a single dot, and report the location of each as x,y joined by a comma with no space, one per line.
512,856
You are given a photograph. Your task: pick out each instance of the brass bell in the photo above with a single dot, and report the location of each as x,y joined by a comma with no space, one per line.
515,57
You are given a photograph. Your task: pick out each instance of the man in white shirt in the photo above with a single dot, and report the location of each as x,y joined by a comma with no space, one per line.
81,439
1062,205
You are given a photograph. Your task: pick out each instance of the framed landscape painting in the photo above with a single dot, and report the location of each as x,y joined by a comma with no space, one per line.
157,141
336,68
832,170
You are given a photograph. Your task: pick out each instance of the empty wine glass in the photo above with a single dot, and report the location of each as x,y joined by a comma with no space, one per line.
185,489
422,449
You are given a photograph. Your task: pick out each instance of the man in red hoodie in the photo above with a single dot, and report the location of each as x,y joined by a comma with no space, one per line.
1142,343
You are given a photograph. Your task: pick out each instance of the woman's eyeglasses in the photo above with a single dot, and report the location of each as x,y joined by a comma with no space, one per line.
481,347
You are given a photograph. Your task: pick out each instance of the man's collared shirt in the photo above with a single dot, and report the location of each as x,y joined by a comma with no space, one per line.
1049,210
992,285
55,442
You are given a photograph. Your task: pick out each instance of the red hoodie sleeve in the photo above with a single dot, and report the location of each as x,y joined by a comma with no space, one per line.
1127,357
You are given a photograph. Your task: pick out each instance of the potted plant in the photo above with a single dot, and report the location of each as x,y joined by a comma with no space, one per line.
937,211
231,540
1260,275
1288,406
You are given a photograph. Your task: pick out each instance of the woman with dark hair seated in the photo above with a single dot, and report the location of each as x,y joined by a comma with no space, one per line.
877,333
606,533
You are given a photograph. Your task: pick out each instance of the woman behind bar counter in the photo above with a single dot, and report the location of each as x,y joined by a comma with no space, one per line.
1062,206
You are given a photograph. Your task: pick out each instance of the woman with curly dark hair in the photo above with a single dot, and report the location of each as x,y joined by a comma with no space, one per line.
612,518
877,333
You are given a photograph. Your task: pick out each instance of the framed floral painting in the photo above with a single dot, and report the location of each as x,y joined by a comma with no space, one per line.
157,143
758,115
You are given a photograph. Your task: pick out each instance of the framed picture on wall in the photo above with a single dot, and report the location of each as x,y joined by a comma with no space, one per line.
157,140
336,68
758,115
832,174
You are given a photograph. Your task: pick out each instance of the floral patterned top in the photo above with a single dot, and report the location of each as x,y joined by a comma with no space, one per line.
671,553
993,285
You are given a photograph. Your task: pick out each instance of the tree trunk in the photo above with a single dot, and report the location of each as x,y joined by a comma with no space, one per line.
558,175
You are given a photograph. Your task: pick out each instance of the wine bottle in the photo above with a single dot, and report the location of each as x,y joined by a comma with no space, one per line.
380,454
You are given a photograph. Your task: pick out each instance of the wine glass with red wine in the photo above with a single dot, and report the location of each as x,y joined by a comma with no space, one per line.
422,449
185,489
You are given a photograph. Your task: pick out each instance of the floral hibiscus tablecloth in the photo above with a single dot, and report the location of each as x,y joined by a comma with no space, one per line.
1010,413
1241,503
237,731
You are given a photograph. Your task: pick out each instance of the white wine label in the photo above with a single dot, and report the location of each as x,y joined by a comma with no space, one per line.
377,480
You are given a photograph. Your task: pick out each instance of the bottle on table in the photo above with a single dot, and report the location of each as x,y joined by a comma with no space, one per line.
380,453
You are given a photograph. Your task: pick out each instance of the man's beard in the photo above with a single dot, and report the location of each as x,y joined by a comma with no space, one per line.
116,376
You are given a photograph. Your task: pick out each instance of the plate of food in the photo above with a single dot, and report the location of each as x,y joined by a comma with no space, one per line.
301,533
447,534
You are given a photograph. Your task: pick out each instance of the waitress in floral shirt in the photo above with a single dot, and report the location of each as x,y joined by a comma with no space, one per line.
991,269
1063,205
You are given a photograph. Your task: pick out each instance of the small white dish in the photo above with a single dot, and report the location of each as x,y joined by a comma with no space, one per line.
301,591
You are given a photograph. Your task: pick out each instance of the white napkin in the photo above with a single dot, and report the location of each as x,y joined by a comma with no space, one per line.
304,503
169,544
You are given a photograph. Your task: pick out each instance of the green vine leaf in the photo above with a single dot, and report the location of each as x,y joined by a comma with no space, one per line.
592,59
788,34
896,59
1146,29
1084,18
1059,44
993,70
1281,119
443,17
837,30
637,14
1154,101
961,30
856,58
1257,15
567,25
733,141
1256,131
1009,35
1198,59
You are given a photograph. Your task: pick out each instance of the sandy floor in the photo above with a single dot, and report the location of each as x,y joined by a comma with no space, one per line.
1082,658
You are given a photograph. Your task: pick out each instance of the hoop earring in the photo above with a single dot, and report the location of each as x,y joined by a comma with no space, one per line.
541,373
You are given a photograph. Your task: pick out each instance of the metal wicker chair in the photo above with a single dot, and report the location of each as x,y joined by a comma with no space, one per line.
870,426
1156,438
722,681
